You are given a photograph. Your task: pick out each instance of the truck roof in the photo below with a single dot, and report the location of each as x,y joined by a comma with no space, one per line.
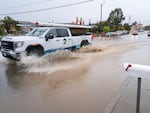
62,25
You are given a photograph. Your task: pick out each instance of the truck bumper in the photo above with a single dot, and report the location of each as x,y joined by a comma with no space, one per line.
11,55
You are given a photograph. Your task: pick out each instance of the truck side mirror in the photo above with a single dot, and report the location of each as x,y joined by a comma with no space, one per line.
49,36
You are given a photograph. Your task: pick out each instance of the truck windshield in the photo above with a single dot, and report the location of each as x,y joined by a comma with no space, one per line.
37,32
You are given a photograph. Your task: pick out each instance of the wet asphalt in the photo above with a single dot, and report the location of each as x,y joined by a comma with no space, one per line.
87,89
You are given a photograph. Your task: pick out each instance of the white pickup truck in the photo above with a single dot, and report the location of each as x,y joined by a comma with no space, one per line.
42,40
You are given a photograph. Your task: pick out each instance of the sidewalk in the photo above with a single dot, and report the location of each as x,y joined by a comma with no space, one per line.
125,101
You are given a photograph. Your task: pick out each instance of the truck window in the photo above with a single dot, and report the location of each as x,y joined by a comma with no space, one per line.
37,32
62,33
53,31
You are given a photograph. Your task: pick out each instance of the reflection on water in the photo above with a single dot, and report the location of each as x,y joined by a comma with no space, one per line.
13,76
17,78
135,37
51,70
66,91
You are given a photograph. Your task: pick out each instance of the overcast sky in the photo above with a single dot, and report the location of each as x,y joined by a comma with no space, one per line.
138,10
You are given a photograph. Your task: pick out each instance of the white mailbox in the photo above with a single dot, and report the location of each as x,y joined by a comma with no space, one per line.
136,70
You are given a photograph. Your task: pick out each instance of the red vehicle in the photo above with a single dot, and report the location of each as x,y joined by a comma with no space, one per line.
135,33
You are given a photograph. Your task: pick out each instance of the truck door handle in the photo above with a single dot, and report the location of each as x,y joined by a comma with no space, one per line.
57,40
69,39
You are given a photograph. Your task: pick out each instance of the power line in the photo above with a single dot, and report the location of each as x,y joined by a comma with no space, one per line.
22,5
38,10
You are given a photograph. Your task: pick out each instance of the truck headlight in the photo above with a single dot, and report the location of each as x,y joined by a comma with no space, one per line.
19,44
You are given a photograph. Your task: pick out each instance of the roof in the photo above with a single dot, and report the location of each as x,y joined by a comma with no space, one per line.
62,25
25,24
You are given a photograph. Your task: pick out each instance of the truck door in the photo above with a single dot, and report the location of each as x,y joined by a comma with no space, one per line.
66,39
55,43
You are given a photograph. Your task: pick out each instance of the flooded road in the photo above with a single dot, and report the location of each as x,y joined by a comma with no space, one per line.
64,82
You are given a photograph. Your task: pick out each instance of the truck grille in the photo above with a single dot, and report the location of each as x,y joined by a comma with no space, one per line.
7,45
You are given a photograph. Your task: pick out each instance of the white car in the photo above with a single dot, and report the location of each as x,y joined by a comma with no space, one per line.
148,34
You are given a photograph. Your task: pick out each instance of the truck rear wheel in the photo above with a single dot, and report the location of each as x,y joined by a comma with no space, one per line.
84,43
35,51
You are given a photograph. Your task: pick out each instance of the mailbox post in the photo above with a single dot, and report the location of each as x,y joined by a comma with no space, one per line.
139,71
138,95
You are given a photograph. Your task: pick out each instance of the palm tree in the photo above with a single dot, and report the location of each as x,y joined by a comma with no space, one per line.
10,23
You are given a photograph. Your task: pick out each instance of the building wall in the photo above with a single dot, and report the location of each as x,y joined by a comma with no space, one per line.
136,27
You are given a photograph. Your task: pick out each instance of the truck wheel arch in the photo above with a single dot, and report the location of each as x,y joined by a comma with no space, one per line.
39,49
84,43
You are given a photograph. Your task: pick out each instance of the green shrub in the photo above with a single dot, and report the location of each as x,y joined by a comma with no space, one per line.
106,29
2,32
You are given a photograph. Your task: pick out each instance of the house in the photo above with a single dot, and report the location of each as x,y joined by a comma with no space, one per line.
136,27
1,22
2,27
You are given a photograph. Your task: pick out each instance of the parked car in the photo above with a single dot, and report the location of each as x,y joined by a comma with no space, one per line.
108,34
135,33
0,41
125,32
148,34
119,33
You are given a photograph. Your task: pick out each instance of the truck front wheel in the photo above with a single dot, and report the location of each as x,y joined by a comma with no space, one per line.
35,51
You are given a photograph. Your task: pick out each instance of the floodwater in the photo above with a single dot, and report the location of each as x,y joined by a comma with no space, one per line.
84,81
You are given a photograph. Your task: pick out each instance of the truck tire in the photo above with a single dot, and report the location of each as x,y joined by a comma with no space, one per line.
84,43
35,51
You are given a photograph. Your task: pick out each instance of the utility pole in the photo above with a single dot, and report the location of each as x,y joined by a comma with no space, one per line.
129,19
101,11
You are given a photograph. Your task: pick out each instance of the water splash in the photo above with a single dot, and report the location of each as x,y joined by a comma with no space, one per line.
90,49
48,63
59,60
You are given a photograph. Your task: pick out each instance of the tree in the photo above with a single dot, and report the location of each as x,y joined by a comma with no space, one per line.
106,29
10,23
100,27
116,17
2,28
114,22
2,32
127,26
134,23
